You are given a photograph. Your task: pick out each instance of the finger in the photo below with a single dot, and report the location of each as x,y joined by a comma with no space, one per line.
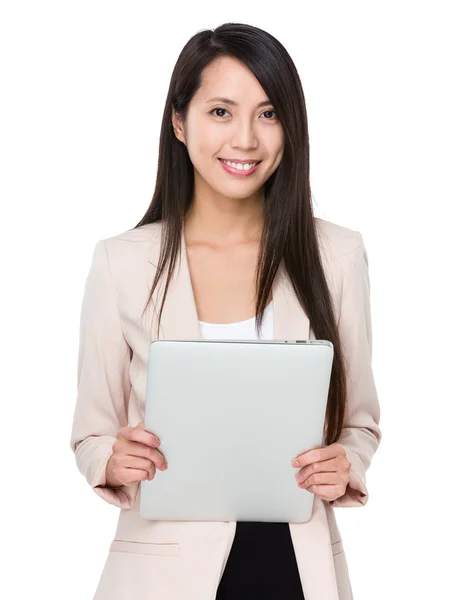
316,467
141,425
123,461
321,479
138,434
130,476
133,463
316,455
123,447
326,492
138,449
137,462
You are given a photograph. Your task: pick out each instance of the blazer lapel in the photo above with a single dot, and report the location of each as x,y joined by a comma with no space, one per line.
179,316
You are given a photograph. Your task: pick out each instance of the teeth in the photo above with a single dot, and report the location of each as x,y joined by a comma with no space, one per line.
239,166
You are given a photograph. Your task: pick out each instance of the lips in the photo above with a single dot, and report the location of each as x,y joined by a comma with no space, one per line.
241,162
239,172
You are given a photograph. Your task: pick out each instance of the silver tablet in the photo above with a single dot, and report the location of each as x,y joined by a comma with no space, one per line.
231,417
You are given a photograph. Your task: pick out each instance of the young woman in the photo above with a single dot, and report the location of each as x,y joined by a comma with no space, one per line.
228,247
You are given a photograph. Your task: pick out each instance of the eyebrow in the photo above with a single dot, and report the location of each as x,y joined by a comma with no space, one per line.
233,103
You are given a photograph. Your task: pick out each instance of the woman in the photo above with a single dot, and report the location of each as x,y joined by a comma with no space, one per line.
232,206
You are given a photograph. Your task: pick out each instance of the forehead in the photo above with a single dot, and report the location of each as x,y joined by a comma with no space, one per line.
228,77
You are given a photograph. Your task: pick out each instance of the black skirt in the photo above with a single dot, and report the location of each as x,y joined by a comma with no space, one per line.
261,564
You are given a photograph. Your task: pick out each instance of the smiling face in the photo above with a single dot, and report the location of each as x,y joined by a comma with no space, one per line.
231,118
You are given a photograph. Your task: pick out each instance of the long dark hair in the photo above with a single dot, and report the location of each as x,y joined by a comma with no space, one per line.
289,234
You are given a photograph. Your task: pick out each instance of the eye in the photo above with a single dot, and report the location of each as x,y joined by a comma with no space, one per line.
214,109
268,111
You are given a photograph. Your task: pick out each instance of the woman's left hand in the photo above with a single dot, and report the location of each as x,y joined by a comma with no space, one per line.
325,472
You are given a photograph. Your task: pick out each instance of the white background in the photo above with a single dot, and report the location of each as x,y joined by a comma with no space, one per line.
83,89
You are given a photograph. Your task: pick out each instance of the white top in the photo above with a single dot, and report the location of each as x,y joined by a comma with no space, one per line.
243,330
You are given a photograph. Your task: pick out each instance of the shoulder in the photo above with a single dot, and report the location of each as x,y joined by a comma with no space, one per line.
337,242
138,236
125,256
132,243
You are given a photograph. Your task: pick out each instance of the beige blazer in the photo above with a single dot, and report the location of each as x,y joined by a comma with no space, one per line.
166,560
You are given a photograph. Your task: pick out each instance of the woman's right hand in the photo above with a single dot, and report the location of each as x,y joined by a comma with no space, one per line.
135,457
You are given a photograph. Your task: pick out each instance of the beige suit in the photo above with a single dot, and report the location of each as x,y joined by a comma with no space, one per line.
164,560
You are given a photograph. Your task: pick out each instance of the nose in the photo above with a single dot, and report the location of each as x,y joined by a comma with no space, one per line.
244,136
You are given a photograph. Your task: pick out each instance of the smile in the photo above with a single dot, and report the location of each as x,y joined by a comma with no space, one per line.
239,168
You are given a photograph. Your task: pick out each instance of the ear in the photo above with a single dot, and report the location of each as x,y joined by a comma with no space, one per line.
177,124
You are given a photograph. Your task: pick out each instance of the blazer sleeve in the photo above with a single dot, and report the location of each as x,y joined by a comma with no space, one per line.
103,384
361,434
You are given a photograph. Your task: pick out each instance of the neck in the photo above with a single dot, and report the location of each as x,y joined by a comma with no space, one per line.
224,222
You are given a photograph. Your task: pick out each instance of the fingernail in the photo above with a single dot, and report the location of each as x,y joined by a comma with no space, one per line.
156,442
299,477
295,463
164,466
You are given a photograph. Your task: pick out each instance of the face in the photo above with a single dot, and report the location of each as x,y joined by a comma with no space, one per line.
241,126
